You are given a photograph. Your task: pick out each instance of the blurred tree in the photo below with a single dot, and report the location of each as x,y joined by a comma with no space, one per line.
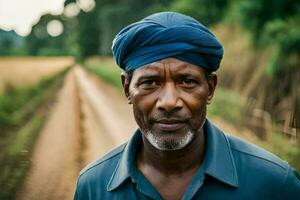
39,37
274,25
112,19
254,15
40,42
284,37
98,27
89,34
207,12
7,43
11,43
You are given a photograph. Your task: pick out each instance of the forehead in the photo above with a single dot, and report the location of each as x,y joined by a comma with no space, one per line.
172,66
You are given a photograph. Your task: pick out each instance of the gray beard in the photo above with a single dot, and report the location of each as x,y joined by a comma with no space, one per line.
164,144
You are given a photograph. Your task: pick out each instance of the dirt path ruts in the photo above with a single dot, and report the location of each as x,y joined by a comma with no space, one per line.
87,121
108,120
54,161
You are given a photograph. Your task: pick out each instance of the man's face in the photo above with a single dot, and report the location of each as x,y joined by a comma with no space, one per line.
169,100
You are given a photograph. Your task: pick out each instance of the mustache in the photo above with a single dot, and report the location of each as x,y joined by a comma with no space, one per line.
169,117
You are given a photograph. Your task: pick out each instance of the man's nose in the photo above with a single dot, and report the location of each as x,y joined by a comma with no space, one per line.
169,99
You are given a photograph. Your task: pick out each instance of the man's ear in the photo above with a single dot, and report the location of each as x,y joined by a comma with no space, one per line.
125,83
212,83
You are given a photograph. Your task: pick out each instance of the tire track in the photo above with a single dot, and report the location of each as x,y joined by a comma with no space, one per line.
54,163
108,120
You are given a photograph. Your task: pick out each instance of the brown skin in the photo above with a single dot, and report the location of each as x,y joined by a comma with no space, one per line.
169,98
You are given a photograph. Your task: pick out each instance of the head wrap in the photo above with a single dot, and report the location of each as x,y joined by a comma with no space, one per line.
164,35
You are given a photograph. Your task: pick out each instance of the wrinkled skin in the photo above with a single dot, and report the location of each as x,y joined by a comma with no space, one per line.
169,100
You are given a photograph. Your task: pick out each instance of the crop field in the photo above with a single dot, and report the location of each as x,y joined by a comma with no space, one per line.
21,71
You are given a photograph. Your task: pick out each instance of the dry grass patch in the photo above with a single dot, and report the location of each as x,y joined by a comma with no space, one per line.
21,71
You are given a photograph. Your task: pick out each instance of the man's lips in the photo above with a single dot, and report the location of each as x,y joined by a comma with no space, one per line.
169,124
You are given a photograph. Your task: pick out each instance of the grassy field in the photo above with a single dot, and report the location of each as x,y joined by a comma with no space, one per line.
106,69
23,111
226,104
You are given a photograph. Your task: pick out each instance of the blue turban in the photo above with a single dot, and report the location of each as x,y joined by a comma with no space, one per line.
164,35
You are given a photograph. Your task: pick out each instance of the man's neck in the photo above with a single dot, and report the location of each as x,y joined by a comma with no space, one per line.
177,162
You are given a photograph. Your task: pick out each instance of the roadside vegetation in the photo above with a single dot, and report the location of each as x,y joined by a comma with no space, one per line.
227,104
106,69
22,113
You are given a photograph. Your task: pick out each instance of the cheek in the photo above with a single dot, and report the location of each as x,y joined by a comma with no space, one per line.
142,101
196,101
142,106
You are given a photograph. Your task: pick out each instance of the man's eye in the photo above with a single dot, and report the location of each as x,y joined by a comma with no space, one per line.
148,83
188,82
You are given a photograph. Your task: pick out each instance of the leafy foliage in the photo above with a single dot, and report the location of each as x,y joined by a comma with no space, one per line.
40,43
88,34
256,14
11,43
284,36
207,12
272,23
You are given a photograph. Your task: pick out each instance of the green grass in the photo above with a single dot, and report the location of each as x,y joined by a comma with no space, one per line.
107,72
283,147
16,161
17,104
226,104
22,114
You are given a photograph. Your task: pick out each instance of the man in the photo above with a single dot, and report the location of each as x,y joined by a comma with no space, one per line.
168,61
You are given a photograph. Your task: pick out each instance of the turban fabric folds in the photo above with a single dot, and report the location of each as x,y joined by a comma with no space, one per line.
164,35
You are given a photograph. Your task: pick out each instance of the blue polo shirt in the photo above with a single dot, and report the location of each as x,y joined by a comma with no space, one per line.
232,169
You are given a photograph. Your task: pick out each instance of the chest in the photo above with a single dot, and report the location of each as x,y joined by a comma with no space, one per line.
172,189
211,190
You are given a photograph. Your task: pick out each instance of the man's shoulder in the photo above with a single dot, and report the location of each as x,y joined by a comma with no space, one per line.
94,178
263,169
256,155
100,165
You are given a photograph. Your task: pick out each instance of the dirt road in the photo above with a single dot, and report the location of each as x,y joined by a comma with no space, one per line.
88,119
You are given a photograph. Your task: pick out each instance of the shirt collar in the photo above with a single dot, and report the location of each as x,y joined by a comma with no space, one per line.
126,164
219,162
